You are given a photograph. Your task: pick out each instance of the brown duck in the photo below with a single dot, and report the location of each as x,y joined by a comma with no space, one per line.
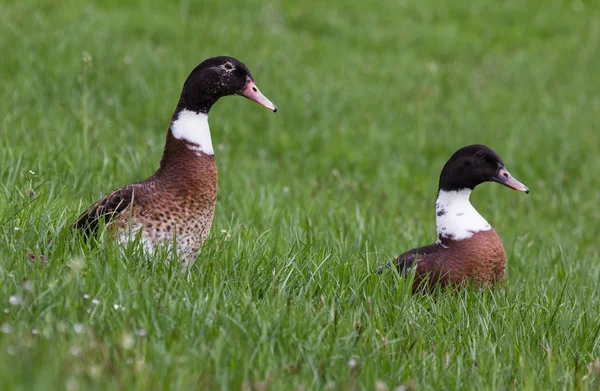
467,248
178,200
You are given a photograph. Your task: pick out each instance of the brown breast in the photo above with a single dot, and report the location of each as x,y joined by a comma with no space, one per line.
180,196
480,259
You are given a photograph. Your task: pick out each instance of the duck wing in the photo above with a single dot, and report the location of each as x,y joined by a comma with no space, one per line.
110,206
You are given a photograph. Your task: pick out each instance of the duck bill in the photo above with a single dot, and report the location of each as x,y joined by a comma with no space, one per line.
504,177
252,92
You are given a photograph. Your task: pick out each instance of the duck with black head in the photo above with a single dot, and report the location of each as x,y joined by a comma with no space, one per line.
467,248
178,200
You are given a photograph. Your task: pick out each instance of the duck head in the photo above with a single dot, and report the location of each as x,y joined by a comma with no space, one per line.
473,165
217,77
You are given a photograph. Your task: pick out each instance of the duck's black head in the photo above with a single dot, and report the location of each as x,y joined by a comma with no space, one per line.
475,164
217,77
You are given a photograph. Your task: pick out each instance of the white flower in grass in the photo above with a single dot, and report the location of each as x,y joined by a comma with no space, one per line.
380,386
127,341
86,296
78,328
32,172
62,327
6,328
77,264
86,57
432,67
142,332
95,371
71,384
75,351
28,286
35,331
352,363
15,300
95,301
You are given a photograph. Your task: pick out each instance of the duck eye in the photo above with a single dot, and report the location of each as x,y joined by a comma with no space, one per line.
228,66
480,154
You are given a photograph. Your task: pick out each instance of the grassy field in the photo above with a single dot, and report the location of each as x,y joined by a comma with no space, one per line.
373,99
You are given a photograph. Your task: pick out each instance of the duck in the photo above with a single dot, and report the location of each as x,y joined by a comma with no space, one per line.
467,247
176,204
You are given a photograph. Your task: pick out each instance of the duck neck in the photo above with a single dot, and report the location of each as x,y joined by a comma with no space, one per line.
192,128
188,142
456,218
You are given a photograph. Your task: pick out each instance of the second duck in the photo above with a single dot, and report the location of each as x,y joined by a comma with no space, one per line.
467,248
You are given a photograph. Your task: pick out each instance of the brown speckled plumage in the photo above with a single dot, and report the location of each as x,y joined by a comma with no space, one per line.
179,199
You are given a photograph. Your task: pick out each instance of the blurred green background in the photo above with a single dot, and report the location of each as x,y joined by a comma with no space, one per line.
373,99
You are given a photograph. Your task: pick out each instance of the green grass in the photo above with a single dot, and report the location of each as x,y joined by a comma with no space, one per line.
373,98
